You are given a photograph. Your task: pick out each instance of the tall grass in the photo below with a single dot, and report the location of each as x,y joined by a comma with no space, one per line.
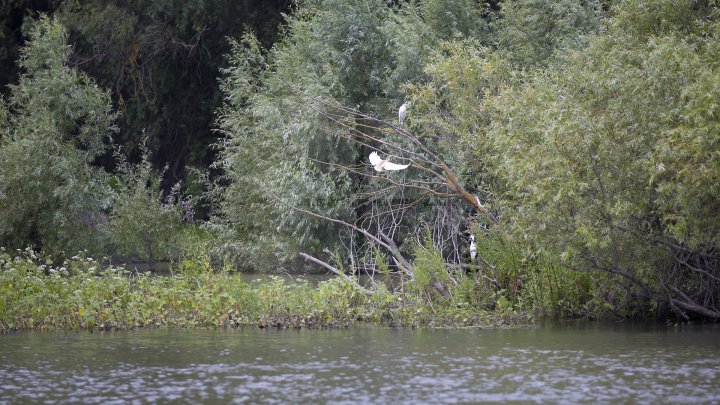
81,293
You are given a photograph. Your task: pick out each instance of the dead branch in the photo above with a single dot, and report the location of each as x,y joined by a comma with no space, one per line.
392,248
338,272
397,184
448,177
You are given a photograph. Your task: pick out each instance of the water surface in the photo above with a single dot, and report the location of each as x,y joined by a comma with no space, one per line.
580,363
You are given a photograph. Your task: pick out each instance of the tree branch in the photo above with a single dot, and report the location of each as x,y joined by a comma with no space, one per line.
338,272
394,251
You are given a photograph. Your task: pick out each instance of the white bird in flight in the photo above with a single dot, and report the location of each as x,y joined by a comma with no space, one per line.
402,112
381,164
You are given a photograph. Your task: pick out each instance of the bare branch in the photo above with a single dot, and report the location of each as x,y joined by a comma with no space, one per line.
338,272
394,251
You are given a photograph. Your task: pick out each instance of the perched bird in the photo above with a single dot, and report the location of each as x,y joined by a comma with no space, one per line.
381,164
402,112
473,248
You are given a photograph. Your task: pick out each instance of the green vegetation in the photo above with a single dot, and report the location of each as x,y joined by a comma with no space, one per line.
159,60
620,155
576,141
143,222
57,122
53,194
81,293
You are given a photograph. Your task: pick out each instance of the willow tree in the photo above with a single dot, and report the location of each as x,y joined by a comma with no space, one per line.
160,60
534,32
285,140
611,160
57,122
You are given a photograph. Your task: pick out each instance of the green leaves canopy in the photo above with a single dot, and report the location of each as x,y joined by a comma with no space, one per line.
281,146
612,158
57,123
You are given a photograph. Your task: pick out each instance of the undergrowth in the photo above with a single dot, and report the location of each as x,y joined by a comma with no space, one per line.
81,293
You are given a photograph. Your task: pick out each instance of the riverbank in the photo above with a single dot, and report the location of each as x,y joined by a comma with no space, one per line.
81,293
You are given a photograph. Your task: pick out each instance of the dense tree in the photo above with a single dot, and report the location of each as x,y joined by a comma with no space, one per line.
575,134
145,222
13,15
284,143
533,30
161,59
57,122
276,136
611,160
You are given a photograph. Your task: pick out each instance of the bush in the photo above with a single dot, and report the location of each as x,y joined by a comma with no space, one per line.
612,160
81,293
143,222
57,122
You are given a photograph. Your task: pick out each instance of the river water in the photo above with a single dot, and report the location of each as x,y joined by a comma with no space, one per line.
572,363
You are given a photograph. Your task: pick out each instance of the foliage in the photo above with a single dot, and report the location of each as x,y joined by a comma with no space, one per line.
542,285
15,15
533,30
57,122
161,59
84,294
454,107
429,269
451,18
611,161
143,222
589,128
575,157
276,140
281,144
4,125
264,156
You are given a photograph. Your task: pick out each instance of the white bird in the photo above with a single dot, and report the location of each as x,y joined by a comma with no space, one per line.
402,112
473,248
382,164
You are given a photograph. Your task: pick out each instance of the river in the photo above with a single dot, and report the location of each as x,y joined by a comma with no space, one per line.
570,363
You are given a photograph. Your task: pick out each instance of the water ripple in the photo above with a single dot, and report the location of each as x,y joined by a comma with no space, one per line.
361,365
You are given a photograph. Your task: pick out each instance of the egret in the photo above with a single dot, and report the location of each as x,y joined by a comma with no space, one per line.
402,112
473,248
383,164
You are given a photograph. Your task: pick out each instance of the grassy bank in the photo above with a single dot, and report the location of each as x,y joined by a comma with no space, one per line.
82,294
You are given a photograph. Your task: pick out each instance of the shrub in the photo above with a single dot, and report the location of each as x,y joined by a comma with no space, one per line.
612,160
143,222
57,122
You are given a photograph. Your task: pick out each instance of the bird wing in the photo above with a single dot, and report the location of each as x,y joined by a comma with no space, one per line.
394,166
375,159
